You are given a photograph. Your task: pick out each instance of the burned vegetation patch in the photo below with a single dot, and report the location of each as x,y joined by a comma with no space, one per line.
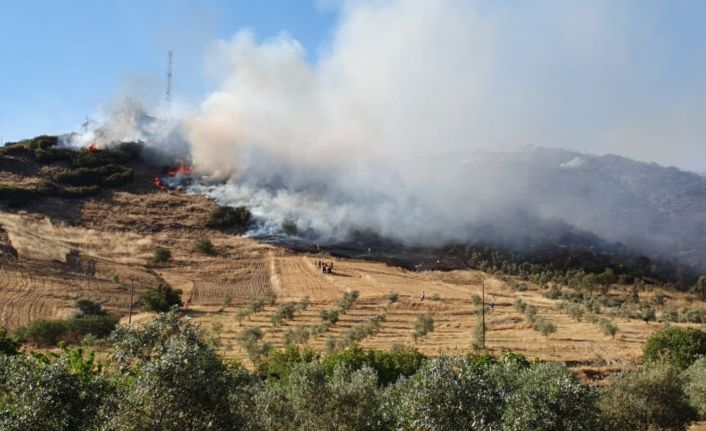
65,172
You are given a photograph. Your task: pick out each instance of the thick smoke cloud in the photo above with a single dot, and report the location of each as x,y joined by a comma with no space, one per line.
410,122
384,131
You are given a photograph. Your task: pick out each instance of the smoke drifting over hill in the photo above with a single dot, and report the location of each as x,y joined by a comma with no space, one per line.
384,131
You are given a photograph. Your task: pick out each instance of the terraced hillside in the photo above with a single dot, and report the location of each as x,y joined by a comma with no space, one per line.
54,250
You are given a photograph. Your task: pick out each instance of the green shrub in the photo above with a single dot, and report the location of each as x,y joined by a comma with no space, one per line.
251,339
549,397
162,254
299,335
476,299
679,346
53,155
282,313
363,330
106,176
346,302
303,304
86,307
44,332
255,306
90,319
575,311
423,325
692,316
98,325
649,314
203,246
647,398
161,299
8,344
330,316
695,386
520,305
392,297
62,394
543,326
228,217
608,327
269,298
388,365
435,297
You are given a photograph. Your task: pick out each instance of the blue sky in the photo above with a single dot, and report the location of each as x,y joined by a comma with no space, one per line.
626,77
63,59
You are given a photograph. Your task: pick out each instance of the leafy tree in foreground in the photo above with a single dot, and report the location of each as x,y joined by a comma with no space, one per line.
39,393
170,378
648,398
680,346
695,386
550,398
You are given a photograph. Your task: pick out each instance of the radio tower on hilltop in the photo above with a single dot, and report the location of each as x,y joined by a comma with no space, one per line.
168,96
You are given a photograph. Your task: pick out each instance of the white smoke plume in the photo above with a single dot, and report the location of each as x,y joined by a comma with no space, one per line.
387,130
127,120
383,131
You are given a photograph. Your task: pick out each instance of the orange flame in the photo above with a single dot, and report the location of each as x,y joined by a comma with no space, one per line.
181,170
91,148
158,182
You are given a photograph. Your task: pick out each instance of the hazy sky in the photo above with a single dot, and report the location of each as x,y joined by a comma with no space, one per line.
625,77
60,60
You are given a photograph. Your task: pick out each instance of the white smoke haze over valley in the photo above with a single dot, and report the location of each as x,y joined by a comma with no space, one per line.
430,122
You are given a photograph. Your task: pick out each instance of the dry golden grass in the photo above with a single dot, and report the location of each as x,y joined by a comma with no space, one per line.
119,233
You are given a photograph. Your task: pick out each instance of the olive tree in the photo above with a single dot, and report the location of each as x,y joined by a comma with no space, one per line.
648,398
170,378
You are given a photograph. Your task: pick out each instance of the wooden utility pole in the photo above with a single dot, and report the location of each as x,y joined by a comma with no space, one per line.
132,290
483,314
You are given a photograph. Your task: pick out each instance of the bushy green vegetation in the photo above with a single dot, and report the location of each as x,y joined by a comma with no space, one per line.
251,339
90,319
678,346
83,174
574,266
648,398
228,217
330,316
105,176
347,300
423,325
362,330
695,386
162,254
8,344
539,324
166,375
282,313
162,298
256,305
203,246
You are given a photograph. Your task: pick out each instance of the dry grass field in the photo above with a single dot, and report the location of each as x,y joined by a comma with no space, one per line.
98,248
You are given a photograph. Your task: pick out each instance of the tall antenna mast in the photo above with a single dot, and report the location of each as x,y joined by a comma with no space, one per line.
168,98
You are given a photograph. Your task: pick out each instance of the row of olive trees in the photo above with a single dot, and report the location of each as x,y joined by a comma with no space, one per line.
167,376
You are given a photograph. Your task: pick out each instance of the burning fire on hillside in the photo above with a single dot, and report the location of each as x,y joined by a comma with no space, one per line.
176,178
93,148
